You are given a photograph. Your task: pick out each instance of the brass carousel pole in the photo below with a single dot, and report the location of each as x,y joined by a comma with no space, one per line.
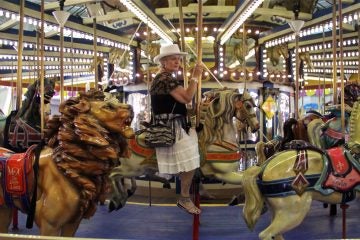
182,35
199,60
324,74
343,206
244,51
95,54
358,74
341,70
61,63
61,17
196,180
296,26
41,67
19,53
334,44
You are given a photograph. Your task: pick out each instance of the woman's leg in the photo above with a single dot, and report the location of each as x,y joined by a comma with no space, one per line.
185,202
186,180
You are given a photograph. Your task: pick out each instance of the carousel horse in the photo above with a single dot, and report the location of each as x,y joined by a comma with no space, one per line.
323,131
218,145
119,57
2,126
290,180
100,66
63,180
22,127
241,50
274,53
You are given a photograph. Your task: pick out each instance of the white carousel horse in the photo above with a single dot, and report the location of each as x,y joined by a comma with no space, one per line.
119,57
290,180
218,144
83,145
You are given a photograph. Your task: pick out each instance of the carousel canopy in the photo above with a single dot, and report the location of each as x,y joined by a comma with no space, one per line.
240,40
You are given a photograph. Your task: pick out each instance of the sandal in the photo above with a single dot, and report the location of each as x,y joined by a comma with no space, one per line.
187,205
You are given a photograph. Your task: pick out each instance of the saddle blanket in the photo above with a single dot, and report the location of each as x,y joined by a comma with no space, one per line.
342,175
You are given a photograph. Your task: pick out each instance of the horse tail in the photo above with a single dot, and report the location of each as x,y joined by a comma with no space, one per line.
288,131
254,201
260,152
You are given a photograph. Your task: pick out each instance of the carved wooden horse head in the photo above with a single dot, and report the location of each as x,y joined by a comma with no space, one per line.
275,52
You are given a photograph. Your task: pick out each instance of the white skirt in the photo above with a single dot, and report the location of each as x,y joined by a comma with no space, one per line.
183,156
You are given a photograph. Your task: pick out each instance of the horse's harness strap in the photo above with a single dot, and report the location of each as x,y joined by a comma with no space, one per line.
227,145
335,134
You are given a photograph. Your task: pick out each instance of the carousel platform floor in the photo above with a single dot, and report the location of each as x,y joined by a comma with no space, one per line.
218,221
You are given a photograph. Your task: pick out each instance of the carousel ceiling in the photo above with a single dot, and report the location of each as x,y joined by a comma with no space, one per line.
239,37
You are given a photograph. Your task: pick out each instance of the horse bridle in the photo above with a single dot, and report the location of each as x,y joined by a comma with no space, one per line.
247,115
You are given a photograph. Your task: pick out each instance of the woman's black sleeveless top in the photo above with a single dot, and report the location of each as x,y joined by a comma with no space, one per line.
161,100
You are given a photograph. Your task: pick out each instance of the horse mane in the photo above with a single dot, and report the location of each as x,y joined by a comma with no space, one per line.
275,52
219,111
353,142
83,150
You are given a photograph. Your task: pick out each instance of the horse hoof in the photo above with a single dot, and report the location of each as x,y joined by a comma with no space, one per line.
167,185
111,206
264,209
129,193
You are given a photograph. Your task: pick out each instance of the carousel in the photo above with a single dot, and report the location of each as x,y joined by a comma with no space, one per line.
277,112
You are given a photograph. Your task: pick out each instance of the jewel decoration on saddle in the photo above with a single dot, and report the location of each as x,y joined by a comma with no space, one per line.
269,107
301,165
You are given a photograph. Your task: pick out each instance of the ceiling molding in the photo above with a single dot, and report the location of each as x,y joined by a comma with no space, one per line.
281,12
55,5
8,24
114,15
76,26
214,11
312,22
33,40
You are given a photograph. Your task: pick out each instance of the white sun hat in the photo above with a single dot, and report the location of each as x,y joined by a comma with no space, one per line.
167,51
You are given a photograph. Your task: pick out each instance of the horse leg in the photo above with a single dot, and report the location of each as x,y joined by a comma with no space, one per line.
156,178
5,219
69,230
288,212
119,194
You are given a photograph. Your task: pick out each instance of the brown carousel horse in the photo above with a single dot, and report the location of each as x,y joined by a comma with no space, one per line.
83,145
22,127
218,143
290,180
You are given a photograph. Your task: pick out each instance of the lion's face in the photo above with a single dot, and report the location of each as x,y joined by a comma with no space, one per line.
114,116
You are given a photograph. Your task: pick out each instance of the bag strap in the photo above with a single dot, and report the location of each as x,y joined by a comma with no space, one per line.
172,111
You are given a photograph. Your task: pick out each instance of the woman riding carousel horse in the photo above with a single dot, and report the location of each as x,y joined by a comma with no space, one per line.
218,143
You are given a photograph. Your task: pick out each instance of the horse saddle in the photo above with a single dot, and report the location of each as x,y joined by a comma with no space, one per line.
297,145
17,177
22,135
342,174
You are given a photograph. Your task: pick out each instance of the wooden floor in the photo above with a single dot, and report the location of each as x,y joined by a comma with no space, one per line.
163,220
